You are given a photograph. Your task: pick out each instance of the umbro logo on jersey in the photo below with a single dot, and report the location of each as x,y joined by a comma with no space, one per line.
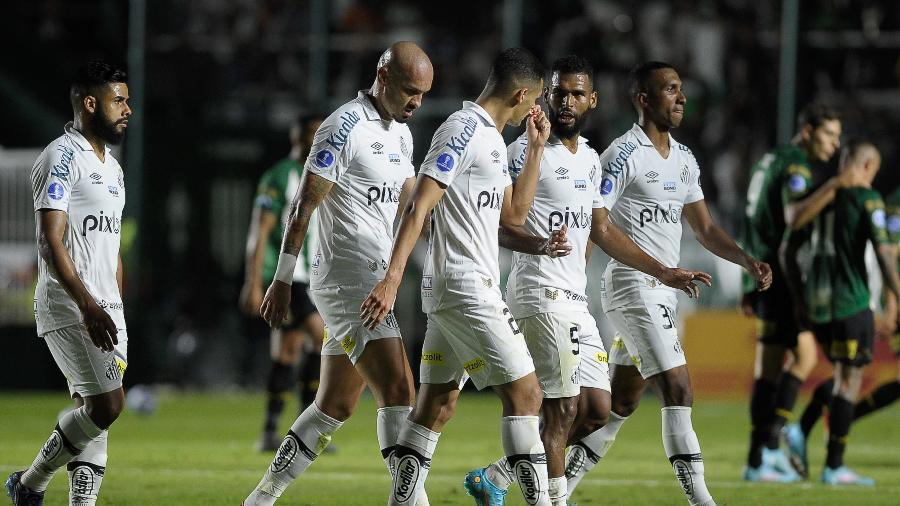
562,171
652,177
96,177
495,153
376,147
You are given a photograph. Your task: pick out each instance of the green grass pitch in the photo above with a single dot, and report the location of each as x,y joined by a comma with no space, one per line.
197,449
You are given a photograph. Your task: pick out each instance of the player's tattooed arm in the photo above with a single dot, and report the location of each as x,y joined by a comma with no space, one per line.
712,237
408,186
51,230
620,246
312,192
516,239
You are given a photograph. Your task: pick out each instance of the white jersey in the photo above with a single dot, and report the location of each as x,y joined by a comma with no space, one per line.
368,160
467,155
69,177
568,191
646,194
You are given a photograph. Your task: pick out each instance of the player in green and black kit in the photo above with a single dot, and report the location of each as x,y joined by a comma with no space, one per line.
780,196
883,395
837,303
276,189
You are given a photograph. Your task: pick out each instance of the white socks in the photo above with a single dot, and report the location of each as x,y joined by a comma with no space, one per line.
86,472
585,454
68,439
412,460
683,449
309,436
388,422
526,458
558,491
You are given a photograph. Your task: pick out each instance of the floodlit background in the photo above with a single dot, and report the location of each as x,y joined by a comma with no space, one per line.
216,83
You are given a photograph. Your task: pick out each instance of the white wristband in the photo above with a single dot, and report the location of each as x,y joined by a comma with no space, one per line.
285,270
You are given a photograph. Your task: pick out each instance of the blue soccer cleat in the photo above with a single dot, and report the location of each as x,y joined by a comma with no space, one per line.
796,446
765,473
20,494
779,461
844,476
483,490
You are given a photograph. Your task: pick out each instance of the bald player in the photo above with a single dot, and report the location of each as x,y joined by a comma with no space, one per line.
358,174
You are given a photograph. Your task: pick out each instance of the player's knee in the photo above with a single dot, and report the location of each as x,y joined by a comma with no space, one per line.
339,409
398,393
625,406
104,412
678,395
560,412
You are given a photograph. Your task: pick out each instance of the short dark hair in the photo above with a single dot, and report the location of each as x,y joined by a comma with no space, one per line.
573,64
305,118
513,68
639,76
814,114
91,75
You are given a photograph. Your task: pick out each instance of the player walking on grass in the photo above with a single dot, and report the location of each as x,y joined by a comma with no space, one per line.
780,196
359,170
79,194
651,182
827,276
270,212
465,183
547,295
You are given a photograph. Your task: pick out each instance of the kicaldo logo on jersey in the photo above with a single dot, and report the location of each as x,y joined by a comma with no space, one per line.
383,194
569,218
659,215
490,199
109,224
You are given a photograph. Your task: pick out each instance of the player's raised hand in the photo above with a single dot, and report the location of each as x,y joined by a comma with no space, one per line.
275,304
762,273
684,279
557,244
100,327
538,126
378,304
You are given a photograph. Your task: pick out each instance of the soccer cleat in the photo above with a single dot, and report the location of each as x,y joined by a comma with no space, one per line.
268,442
20,494
779,461
483,490
765,473
796,446
844,476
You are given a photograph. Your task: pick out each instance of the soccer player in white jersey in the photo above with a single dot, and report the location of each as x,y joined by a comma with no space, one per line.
547,295
651,182
79,193
358,171
465,183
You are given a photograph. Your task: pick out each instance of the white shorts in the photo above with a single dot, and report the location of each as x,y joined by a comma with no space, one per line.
646,334
344,330
559,343
477,340
88,369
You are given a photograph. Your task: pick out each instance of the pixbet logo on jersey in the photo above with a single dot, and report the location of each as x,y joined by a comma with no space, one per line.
101,223
660,215
490,199
383,194
572,219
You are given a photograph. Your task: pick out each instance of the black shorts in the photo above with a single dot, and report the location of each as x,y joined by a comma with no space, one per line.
849,341
301,307
775,320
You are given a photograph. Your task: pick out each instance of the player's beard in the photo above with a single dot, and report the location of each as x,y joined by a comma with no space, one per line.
105,128
566,131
